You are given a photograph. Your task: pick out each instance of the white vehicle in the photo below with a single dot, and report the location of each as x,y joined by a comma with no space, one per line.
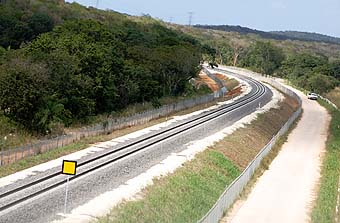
312,96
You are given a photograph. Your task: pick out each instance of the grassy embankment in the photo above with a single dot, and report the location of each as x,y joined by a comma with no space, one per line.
190,192
325,206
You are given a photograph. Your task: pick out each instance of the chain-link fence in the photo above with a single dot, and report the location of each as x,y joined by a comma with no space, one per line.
11,155
328,101
223,89
235,188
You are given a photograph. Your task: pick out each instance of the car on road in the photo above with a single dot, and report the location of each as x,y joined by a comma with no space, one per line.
312,96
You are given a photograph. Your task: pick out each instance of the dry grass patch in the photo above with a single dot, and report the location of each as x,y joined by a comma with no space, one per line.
243,145
188,193
334,96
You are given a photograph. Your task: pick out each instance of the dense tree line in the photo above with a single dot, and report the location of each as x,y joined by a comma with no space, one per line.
85,67
18,26
315,73
263,57
312,72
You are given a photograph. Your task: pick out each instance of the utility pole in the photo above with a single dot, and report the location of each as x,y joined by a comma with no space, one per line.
190,18
97,3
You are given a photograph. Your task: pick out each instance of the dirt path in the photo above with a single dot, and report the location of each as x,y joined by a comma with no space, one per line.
285,192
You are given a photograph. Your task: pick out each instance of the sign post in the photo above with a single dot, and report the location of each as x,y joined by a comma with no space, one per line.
69,168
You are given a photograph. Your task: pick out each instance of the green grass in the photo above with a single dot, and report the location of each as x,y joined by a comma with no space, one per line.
190,192
324,209
185,196
47,156
11,135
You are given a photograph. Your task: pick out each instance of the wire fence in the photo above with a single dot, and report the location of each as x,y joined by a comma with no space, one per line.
12,155
328,101
223,89
235,188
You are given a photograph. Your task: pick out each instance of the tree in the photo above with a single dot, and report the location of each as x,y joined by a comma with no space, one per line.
210,52
320,83
264,57
92,68
39,23
239,47
313,72
176,66
335,69
22,90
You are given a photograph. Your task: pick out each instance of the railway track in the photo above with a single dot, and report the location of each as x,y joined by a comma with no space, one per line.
15,196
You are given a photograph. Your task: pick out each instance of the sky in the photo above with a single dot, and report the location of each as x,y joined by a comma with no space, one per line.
320,16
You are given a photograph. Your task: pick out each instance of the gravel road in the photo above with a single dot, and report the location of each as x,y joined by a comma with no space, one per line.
285,192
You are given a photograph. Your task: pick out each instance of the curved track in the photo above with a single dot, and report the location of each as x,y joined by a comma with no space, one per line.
11,197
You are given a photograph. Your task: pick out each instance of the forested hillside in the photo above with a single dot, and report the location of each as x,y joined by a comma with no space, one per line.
311,65
62,63
306,36
277,35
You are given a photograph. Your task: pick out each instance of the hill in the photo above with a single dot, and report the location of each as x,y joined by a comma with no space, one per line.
63,63
312,65
240,42
277,35
306,36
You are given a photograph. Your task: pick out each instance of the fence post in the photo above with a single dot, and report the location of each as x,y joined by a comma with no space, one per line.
1,157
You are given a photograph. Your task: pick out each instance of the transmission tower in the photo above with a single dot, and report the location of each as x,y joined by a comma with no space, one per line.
97,3
190,17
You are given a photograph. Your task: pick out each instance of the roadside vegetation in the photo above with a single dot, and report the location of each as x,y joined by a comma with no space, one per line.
188,193
334,96
182,197
324,210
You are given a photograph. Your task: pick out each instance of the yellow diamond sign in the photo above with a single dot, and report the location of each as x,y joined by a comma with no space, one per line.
69,167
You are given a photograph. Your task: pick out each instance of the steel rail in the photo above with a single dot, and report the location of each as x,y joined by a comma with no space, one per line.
200,120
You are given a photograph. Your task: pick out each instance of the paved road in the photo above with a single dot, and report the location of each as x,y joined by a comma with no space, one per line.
285,192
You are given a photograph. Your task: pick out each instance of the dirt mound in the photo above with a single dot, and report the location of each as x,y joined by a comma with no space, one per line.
208,81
